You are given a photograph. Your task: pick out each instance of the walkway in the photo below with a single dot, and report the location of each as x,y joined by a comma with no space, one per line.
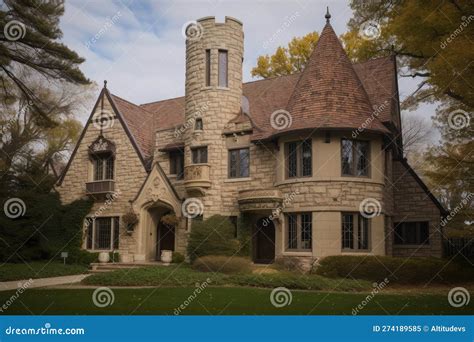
42,282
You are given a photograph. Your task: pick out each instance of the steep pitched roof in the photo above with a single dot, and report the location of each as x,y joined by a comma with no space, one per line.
329,94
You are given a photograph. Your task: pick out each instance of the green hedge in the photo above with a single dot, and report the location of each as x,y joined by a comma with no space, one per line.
46,229
397,270
213,236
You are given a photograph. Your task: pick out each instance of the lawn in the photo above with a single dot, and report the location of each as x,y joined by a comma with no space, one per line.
183,276
223,301
36,270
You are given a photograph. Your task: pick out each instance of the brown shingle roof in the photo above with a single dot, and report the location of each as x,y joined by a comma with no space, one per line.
330,93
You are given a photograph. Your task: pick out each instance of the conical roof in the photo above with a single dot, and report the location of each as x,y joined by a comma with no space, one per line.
329,93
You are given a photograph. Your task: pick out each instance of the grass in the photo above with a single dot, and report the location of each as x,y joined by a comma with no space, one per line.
37,270
183,276
223,301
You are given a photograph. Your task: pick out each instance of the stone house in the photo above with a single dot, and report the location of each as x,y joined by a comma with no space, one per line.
313,159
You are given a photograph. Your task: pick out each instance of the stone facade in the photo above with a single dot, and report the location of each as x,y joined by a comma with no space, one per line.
266,194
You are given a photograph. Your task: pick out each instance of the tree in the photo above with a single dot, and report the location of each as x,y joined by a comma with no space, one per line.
416,133
29,34
287,61
25,142
433,41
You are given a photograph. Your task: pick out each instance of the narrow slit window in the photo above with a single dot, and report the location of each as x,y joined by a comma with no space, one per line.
223,79
208,68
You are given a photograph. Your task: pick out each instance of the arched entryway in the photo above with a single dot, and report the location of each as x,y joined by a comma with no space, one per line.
159,234
264,252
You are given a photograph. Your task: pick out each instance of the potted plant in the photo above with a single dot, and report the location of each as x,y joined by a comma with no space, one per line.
170,220
130,219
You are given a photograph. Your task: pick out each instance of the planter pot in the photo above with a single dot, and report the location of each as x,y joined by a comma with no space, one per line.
166,257
104,257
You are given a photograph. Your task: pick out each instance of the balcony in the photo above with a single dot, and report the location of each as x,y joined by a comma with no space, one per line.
100,187
259,199
196,176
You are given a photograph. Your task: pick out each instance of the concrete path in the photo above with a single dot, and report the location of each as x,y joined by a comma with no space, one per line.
42,282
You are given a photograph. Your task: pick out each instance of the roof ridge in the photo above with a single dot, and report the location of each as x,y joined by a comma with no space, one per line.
138,106
372,59
152,102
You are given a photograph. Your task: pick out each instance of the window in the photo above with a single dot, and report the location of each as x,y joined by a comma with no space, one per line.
299,230
239,163
103,233
223,80
208,68
199,155
177,164
355,232
103,167
298,159
198,126
354,157
412,233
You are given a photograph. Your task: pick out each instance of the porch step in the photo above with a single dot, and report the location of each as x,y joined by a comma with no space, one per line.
95,266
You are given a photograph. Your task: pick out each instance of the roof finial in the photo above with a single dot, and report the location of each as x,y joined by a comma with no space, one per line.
328,15
105,83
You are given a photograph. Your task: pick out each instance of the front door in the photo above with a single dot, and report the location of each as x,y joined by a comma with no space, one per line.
165,239
265,242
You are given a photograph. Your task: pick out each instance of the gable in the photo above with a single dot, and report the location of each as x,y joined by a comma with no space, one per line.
114,129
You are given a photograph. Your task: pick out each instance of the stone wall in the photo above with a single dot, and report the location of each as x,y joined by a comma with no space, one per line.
412,203
129,175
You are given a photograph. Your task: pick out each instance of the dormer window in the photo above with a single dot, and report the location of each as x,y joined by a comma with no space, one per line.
198,126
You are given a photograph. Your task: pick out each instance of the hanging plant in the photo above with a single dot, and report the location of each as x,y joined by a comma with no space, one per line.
170,219
130,219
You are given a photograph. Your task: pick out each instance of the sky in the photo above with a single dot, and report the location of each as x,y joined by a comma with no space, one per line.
139,48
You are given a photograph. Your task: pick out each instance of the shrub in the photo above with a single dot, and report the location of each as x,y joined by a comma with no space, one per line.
213,236
223,264
397,270
178,258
